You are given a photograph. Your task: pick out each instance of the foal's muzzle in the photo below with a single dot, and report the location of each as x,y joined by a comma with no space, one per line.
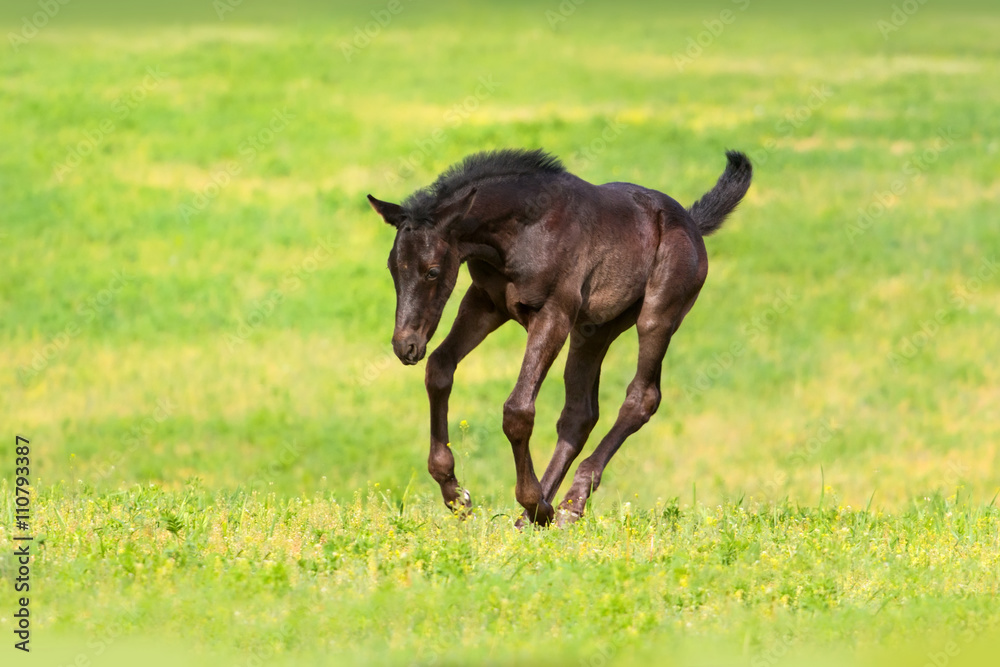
410,348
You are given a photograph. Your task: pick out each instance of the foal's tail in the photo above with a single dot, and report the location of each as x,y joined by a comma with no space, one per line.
711,210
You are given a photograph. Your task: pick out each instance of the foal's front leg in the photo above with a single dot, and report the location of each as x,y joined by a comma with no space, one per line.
477,318
547,331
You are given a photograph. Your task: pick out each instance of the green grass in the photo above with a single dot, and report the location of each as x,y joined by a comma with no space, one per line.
216,360
382,578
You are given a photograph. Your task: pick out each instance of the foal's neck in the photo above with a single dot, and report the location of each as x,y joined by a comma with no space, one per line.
482,250
489,239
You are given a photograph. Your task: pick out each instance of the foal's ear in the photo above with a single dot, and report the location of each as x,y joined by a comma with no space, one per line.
465,205
459,210
391,213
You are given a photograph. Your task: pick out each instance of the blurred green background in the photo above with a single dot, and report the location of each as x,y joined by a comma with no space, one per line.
194,290
253,299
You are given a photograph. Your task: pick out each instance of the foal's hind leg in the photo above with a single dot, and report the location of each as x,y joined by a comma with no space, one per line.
668,299
477,318
582,409
581,378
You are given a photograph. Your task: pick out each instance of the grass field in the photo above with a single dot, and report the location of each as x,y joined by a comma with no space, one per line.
228,461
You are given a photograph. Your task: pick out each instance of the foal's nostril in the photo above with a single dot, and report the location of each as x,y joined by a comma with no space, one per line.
411,351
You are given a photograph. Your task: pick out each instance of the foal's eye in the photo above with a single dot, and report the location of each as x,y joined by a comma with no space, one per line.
433,273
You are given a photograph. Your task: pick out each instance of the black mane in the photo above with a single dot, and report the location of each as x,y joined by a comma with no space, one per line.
492,165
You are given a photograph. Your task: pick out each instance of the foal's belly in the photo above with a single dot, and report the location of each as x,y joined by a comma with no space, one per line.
608,305
610,295
618,278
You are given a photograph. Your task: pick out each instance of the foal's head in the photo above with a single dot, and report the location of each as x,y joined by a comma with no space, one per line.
424,263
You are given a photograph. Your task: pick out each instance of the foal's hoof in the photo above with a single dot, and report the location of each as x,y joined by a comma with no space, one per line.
567,514
461,505
542,516
525,520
